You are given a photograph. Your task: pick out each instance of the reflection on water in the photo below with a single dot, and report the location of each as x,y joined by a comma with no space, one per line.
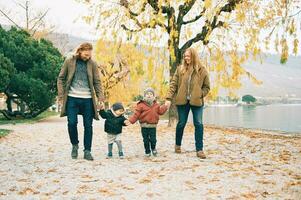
283,117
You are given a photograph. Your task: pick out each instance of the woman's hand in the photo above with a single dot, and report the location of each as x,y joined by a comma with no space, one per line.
167,103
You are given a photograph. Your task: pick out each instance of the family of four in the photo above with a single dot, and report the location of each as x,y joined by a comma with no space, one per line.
80,92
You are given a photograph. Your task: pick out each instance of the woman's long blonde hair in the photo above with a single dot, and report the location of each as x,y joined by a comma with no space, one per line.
195,61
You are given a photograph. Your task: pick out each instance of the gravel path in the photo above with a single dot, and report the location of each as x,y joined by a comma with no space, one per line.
36,164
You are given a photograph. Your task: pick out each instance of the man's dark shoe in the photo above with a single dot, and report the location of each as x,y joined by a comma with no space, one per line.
74,152
87,155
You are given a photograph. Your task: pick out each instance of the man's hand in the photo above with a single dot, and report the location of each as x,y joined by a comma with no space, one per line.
60,102
100,105
167,103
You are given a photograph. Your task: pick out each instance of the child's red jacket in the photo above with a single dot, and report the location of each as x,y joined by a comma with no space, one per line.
148,114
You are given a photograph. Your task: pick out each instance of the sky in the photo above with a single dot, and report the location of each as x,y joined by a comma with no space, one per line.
65,15
62,14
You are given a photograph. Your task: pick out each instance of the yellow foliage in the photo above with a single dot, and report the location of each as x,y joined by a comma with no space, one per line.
213,92
239,30
240,16
137,70
295,46
207,4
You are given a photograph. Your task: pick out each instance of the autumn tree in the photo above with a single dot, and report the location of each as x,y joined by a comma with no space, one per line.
126,70
227,33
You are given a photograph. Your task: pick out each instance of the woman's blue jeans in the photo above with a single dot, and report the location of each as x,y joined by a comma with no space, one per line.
197,113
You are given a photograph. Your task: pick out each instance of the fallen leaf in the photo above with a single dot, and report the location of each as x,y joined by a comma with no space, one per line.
23,180
134,172
265,182
264,194
249,196
127,188
145,180
52,170
27,191
106,191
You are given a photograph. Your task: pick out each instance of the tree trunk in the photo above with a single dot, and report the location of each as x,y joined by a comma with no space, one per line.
35,114
22,112
8,104
173,64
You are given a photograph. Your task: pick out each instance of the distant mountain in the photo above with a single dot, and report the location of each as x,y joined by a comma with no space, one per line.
278,79
66,43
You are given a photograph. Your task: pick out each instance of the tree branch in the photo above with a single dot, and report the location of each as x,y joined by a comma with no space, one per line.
27,15
130,30
39,20
21,5
5,15
143,26
230,6
209,27
125,4
195,19
133,16
155,6
183,10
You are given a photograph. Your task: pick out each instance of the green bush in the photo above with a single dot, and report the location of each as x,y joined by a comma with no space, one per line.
248,99
30,68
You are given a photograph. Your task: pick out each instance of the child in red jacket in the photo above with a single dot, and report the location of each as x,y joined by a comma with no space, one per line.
147,112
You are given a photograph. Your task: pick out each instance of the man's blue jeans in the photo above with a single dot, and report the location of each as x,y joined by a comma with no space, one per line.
197,113
82,106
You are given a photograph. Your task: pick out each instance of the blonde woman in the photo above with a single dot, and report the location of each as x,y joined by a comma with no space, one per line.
190,84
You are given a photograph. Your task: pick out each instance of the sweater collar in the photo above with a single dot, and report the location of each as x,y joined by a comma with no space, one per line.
113,112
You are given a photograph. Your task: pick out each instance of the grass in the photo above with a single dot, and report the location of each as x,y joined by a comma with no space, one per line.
43,115
4,132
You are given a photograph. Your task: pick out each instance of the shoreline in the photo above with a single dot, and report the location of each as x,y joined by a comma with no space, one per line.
256,130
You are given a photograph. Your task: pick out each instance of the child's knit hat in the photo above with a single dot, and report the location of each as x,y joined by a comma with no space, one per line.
149,90
117,106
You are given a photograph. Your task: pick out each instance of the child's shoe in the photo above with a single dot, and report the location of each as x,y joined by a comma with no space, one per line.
147,155
121,155
155,153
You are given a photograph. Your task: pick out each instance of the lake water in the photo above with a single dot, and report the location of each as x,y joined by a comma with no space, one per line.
280,117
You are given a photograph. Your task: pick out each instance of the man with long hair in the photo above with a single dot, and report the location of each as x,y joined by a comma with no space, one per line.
79,92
